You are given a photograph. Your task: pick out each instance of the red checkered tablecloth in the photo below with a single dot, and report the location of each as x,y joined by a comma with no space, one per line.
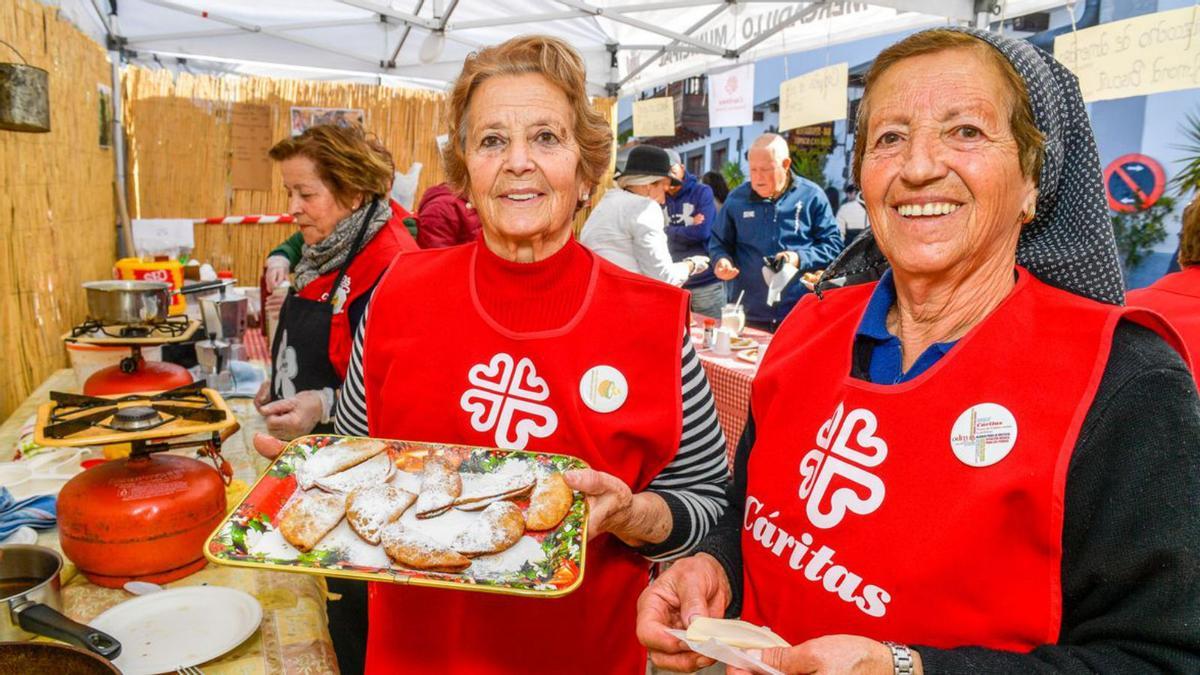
256,346
730,378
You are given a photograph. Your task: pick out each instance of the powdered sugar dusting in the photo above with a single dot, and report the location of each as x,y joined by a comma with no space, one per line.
343,538
270,544
442,529
407,481
370,508
476,486
440,486
509,562
373,471
496,529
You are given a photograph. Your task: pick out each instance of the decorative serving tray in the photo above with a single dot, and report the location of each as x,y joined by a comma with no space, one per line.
546,563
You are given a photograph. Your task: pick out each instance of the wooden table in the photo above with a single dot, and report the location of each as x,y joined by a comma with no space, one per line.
293,636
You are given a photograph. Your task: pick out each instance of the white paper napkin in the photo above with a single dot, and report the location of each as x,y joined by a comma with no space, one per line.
722,652
777,281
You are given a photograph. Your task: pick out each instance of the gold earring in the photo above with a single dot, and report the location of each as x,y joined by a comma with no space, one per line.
1028,216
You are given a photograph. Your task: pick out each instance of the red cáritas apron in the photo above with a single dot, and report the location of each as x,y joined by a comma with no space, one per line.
927,512
438,368
1177,297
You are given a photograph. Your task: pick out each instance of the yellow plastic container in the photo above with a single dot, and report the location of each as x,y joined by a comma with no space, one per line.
170,271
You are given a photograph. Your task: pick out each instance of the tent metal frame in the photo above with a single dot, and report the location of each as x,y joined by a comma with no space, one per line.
389,20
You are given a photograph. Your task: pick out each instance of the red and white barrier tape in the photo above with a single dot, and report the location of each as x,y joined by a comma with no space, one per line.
247,220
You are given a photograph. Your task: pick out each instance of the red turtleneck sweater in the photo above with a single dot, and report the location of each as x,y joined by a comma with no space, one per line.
537,296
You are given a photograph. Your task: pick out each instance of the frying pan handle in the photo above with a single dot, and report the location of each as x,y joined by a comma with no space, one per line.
44,620
205,286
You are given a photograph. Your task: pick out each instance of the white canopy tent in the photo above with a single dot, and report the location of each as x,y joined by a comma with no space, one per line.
629,46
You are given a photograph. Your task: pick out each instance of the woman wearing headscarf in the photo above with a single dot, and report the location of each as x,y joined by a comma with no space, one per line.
546,316
992,466
626,227
1177,295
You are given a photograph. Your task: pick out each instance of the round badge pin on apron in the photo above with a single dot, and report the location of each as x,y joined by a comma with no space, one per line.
983,434
603,389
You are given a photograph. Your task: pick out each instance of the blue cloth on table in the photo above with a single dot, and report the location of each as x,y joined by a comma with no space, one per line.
39,512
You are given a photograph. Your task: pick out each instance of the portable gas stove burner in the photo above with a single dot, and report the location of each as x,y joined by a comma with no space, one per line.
137,418
75,413
170,328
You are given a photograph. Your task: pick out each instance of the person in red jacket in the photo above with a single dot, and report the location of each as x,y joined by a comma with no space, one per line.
1177,296
337,182
444,218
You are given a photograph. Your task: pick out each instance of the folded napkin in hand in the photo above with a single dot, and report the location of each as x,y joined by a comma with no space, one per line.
39,512
777,281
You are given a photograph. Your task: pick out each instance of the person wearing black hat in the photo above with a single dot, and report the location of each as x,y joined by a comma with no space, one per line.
626,227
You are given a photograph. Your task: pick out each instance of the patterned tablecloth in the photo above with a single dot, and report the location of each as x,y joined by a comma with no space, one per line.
293,637
730,378
256,346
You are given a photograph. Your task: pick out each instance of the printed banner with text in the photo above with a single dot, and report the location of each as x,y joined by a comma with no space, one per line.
731,97
819,96
1135,57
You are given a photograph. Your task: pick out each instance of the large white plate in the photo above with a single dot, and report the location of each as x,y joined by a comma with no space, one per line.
167,630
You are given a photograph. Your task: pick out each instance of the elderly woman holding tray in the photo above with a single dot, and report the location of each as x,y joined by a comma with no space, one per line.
996,467
525,339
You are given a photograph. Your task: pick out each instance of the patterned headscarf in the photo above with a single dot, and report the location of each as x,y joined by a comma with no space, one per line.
1070,242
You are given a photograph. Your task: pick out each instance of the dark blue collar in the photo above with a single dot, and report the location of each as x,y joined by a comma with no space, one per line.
874,320
874,327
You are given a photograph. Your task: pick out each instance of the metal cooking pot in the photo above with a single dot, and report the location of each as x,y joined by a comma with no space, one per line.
126,302
30,601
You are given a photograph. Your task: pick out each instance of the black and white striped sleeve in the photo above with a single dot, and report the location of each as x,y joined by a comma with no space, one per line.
350,414
693,484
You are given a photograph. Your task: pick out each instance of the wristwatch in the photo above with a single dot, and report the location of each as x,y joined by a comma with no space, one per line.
902,659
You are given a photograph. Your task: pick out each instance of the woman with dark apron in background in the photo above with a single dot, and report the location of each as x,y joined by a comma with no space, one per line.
337,182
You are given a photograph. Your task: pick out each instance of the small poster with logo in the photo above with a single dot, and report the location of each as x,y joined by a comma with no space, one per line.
731,97
303,118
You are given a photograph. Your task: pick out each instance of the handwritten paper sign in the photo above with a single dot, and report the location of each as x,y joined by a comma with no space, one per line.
1143,55
654,117
731,97
819,96
251,139
153,236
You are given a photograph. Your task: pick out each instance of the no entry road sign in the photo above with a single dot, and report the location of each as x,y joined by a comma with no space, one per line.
1133,182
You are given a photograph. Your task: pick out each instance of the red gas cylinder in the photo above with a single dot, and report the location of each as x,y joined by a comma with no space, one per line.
140,376
144,518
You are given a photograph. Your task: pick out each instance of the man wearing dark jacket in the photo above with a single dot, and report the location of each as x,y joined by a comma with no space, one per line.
777,216
445,219
690,217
